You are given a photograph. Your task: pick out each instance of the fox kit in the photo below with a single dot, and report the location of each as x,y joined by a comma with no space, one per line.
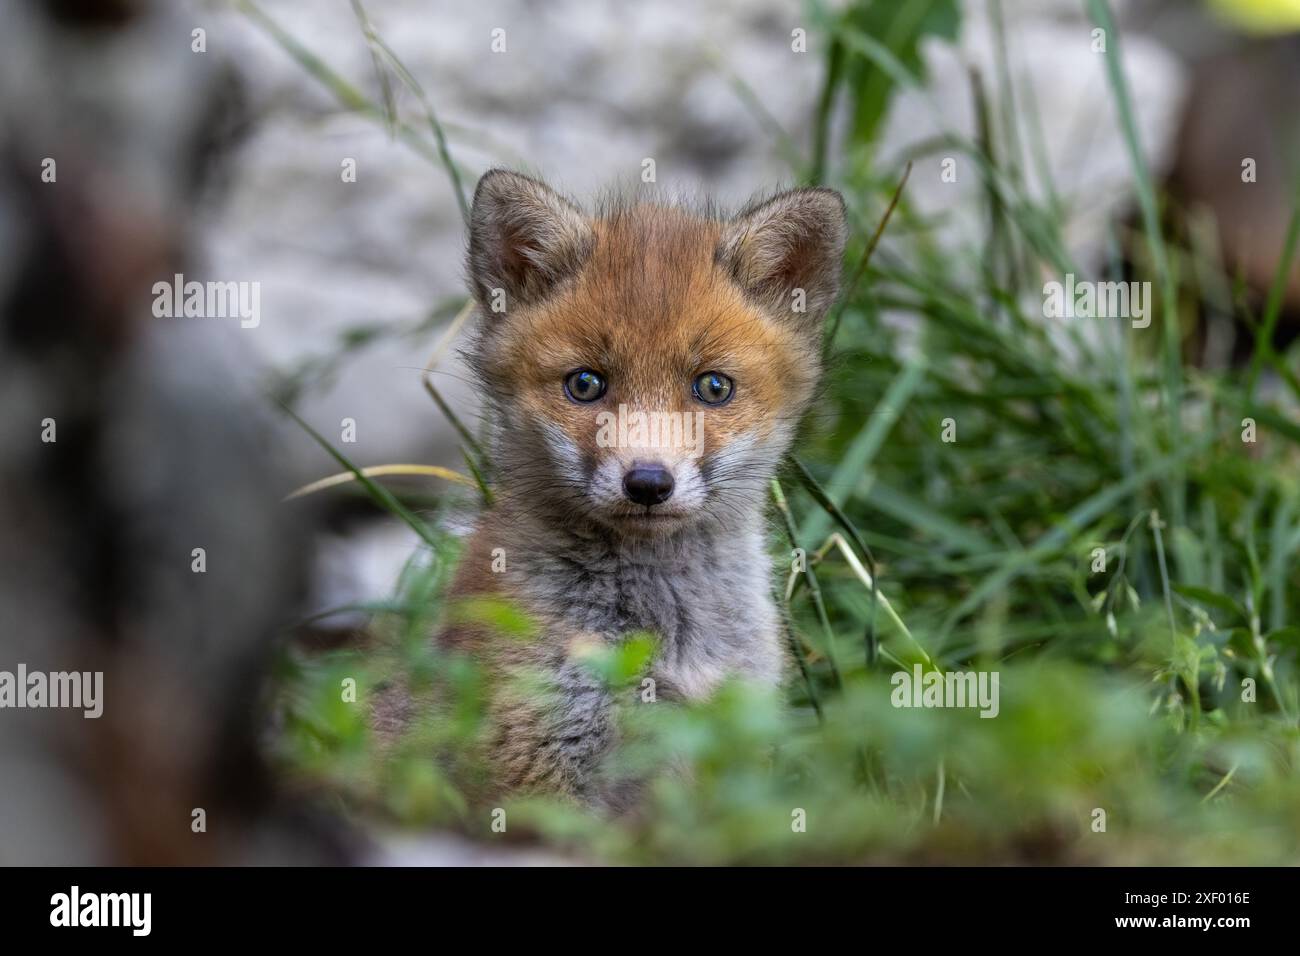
645,369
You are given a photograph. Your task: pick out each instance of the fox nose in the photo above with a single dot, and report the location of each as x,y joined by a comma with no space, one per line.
648,484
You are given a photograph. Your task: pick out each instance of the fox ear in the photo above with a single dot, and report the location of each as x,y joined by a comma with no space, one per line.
524,238
787,251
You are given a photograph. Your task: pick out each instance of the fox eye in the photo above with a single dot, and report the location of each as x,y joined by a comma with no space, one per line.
712,388
584,385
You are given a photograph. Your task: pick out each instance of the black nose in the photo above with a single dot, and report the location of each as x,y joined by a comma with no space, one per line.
648,484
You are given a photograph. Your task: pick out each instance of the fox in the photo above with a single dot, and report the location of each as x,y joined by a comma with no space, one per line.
588,326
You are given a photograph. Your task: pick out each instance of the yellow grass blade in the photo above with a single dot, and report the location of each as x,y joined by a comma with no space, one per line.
375,471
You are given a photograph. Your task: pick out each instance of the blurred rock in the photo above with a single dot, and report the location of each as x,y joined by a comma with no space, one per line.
447,849
131,441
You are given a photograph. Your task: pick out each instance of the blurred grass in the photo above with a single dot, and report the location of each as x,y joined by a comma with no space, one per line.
1121,690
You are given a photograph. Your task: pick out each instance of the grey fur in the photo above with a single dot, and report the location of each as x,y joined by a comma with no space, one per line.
706,595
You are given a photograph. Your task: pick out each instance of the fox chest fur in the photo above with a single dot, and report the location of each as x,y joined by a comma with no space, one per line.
644,369
705,598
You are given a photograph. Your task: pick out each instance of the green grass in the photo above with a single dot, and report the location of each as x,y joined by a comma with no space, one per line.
1121,690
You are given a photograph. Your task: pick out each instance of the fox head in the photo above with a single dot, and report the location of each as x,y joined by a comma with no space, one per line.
645,367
